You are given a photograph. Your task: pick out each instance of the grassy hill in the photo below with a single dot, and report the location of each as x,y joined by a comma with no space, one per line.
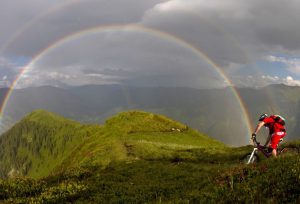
38,143
135,157
43,142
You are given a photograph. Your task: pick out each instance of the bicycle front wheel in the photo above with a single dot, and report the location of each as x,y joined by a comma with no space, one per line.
248,160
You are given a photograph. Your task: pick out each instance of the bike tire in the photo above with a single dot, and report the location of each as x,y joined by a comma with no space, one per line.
246,158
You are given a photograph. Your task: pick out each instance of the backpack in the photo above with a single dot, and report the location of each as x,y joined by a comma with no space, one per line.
279,119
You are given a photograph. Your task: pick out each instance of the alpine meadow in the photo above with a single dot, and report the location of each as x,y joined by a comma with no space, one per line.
134,157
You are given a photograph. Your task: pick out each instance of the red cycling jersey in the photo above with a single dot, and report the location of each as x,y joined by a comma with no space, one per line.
273,126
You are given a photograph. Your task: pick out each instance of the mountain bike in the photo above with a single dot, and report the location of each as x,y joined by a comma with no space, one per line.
253,157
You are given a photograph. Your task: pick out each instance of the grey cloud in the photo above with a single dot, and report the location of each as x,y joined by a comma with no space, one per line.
14,15
8,71
276,23
126,57
106,71
231,31
263,80
71,19
201,33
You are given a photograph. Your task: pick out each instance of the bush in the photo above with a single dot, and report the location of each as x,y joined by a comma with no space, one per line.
275,180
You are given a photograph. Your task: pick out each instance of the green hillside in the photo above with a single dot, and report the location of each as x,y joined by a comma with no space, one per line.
43,142
39,143
135,157
137,135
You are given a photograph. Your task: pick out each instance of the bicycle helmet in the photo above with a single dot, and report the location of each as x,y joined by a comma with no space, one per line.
262,117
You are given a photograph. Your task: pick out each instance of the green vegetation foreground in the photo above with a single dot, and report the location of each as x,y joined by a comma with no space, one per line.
136,157
272,181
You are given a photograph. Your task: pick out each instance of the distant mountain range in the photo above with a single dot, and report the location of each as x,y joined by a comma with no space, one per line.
214,112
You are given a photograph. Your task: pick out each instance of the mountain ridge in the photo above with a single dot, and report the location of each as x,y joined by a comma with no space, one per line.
215,112
44,142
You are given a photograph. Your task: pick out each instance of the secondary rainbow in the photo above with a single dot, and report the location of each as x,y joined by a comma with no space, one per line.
130,28
30,24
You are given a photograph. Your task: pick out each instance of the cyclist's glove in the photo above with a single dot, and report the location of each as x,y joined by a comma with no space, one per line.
253,135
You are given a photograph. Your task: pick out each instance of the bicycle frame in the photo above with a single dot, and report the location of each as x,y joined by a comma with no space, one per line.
251,156
258,147
262,148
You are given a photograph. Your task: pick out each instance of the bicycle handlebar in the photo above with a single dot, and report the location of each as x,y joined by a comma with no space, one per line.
255,141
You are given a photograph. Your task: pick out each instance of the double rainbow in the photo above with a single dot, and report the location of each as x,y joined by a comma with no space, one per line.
130,28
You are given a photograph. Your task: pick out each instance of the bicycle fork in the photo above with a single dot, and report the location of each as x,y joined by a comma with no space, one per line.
252,155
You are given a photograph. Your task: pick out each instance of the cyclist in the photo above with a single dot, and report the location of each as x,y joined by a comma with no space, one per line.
275,123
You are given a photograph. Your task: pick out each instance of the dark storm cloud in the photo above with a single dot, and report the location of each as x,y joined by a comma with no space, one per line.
228,31
66,18
231,32
14,15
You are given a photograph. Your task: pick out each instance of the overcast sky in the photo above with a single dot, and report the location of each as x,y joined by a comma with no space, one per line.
253,42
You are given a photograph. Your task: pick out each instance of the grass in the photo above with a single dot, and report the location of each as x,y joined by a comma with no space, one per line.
219,179
139,157
164,180
135,135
